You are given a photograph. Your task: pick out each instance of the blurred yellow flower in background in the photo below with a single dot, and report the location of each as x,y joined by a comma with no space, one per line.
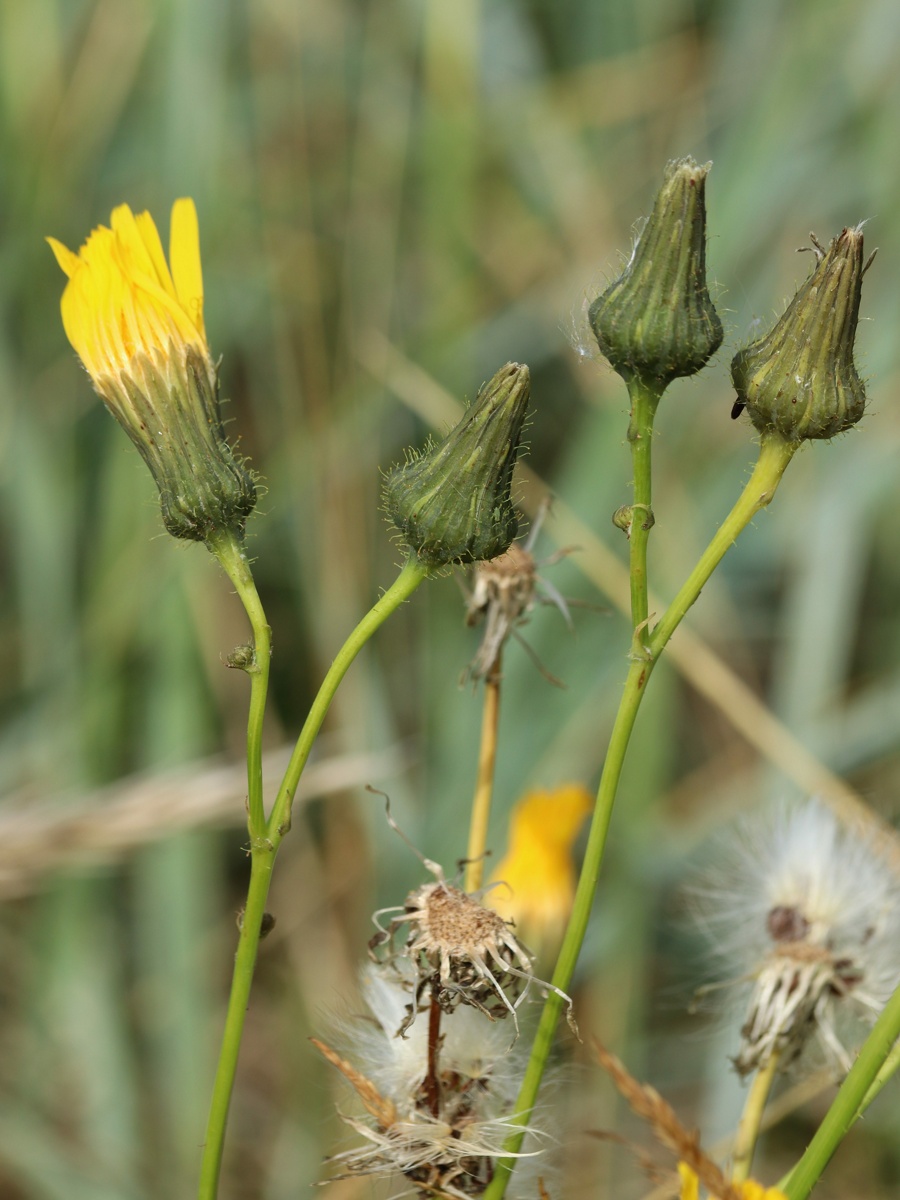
748,1190
136,323
538,868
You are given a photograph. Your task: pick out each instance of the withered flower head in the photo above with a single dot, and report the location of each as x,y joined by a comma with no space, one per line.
457,949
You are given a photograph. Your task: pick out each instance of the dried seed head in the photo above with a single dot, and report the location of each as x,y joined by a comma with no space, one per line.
465,953
458,951
502,595
806,909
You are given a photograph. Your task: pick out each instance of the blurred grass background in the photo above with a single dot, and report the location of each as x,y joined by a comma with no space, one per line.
385,185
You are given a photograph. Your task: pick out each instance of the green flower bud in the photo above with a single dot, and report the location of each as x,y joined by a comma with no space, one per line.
657,321
800,380
451,504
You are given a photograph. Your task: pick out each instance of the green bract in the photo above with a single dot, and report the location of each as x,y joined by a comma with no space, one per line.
800,380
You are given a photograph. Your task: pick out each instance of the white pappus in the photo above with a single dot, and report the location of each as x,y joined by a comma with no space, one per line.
805,912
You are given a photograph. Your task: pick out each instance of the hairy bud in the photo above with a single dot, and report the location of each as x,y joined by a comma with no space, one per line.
657,321
452,503
800,380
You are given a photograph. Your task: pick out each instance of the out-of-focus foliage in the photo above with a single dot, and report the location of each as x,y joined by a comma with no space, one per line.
387,188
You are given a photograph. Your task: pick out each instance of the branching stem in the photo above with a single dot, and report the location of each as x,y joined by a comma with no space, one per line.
774,456
265,837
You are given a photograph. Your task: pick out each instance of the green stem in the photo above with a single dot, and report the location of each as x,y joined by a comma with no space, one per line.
848,1103
263,850
774,456
230,553
261,863
401,589
886,1071
644,402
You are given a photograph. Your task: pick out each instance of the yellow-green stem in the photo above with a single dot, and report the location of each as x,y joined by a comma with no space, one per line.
751,1120
484,786
886,1071
644,402
263,850
262,861
774,456
852,1097
401,589
230,552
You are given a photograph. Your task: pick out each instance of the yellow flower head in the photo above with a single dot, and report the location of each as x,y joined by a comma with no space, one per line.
748,1190
538,868
122,298
136,323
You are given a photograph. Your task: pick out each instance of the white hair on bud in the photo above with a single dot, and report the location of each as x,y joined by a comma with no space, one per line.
806,912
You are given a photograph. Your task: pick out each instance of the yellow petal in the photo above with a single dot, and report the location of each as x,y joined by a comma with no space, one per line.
149,236
64,256
690,1184
122,298
184,255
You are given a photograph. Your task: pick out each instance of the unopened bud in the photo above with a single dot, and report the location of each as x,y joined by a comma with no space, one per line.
452,504
657,321
800,380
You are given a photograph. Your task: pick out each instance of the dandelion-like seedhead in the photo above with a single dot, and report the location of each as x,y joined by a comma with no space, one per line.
438,1107
804,909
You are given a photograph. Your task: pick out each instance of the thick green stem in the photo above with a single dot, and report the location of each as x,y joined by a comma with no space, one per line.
644,402
263,849
230,553
774,457
847,1103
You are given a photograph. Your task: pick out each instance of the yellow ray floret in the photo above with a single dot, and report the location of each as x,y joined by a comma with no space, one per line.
123,298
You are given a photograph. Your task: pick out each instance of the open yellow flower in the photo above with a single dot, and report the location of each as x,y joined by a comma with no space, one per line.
136,322
538,868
